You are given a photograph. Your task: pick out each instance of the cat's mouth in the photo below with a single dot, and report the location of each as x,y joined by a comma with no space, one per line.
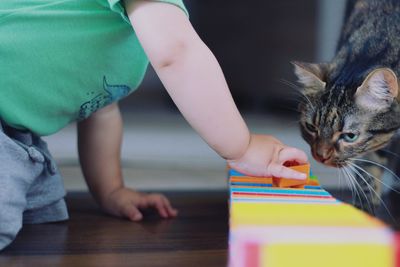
330,161
334,163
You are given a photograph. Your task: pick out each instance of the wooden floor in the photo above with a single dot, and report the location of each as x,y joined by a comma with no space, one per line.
198,237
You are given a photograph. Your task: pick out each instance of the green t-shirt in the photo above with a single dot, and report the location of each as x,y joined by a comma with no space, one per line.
61,60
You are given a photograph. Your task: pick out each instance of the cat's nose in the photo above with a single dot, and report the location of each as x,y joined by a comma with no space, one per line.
323,160
324,156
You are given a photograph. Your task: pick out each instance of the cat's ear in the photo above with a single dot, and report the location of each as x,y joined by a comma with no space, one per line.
378,90
312,76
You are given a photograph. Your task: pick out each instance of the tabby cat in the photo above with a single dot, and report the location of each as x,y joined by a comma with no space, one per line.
352,112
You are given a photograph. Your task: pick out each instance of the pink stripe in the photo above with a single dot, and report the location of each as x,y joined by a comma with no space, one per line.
252,255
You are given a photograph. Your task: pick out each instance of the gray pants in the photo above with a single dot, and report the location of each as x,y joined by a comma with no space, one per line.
31,189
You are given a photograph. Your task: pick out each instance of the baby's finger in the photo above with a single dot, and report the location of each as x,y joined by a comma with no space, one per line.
171,211
162,210
278,170
292,154
157,202
131,212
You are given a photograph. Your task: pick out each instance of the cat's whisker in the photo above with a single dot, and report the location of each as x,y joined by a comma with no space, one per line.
295,94
354,192
346,180
359,174
391,153
372,176
293,98
289,108
370,206
296,99
291,85
376,194
349,185
309,101
377,164
355,184
340,171
340,177
297,89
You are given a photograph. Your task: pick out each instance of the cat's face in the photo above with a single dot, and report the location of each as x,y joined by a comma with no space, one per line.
341,123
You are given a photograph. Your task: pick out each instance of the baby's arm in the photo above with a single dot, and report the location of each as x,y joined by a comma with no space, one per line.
194,80
99,145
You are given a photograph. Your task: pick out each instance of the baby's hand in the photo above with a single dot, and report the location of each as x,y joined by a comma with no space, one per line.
125,202
265,157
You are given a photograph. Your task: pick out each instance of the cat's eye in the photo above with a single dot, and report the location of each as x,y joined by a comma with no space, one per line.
349,137
311,127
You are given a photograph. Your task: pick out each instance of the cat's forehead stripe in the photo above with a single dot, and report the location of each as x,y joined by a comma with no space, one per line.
334,119
334,100
318,118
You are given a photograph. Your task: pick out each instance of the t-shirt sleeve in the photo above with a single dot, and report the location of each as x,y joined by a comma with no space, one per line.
118,6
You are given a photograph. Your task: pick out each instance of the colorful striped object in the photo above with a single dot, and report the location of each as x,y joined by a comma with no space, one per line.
277,223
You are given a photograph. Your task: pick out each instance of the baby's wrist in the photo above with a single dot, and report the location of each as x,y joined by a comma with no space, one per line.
105,197
240,153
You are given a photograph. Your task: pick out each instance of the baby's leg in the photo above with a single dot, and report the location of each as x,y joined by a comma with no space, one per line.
17,172
31,190
45,198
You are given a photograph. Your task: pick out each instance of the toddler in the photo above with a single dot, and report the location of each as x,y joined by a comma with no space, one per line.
72,60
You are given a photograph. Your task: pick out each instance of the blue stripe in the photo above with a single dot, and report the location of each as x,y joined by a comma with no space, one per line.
251,184
235,173
312,187
282,191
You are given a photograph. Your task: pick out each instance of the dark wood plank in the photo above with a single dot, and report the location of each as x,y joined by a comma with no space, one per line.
198,237
157,259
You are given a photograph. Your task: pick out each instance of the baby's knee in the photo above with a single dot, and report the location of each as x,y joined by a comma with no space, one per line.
8,232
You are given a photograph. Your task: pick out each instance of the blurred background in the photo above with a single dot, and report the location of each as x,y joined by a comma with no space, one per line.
254,43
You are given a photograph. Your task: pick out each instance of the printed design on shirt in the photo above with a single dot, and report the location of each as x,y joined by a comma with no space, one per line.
112,93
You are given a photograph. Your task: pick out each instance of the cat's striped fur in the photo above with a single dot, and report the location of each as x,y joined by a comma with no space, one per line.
352,108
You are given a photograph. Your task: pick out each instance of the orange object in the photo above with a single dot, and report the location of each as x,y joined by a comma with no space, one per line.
299,186
282,182
312,182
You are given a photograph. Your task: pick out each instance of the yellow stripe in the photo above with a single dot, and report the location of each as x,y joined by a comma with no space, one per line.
299,215
326,255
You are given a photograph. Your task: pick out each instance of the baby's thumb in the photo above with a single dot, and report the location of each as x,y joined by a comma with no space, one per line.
132,213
